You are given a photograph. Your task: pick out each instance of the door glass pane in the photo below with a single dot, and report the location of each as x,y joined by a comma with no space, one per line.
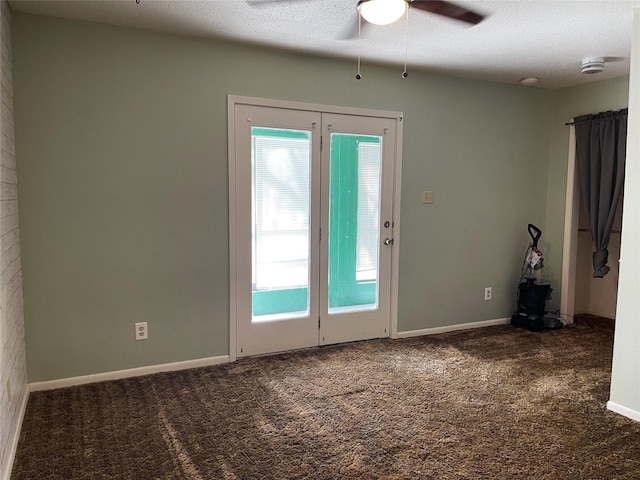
354,219
280,191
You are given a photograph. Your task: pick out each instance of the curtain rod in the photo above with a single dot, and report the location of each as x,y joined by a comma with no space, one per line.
576,121
573,122
590,117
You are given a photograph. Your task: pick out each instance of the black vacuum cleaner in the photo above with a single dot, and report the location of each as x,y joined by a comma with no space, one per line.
534,289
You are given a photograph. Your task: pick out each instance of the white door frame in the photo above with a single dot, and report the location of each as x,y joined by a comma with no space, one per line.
232,101
570,243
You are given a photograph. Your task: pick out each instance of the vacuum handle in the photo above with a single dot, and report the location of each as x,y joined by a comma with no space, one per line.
535,237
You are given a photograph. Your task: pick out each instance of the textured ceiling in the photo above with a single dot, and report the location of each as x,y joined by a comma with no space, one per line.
545,39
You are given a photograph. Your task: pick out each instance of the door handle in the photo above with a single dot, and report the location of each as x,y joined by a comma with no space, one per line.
388,241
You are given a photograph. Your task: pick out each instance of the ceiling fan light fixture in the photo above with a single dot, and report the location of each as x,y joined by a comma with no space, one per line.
382,12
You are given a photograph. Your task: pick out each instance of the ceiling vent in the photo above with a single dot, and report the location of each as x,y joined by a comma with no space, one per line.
592,65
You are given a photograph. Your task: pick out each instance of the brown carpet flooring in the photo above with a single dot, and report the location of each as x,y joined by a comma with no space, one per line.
491,403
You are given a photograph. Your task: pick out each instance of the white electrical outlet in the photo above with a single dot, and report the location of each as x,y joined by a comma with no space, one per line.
141,331
487,293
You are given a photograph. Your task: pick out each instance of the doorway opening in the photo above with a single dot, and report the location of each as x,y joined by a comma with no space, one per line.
583,295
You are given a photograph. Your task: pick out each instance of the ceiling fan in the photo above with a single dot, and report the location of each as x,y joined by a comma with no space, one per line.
384,12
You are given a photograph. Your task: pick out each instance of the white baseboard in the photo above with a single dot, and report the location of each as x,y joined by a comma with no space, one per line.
131,372
452,328
627,412
13,448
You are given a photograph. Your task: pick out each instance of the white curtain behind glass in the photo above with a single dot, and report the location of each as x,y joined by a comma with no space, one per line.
369,156
280,191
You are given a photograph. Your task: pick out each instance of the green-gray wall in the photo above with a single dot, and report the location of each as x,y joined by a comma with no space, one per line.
122,163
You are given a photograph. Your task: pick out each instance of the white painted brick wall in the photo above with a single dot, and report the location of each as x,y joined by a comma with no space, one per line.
13,370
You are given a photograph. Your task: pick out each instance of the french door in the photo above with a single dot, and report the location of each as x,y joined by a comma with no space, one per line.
313,228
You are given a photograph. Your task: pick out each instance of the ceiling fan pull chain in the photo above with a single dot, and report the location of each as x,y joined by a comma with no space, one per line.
406,41
358,76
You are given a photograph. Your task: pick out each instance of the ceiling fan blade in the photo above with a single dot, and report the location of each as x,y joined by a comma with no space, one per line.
350,32
447,9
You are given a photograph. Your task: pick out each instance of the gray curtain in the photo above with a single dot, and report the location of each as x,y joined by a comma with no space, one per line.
601,145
